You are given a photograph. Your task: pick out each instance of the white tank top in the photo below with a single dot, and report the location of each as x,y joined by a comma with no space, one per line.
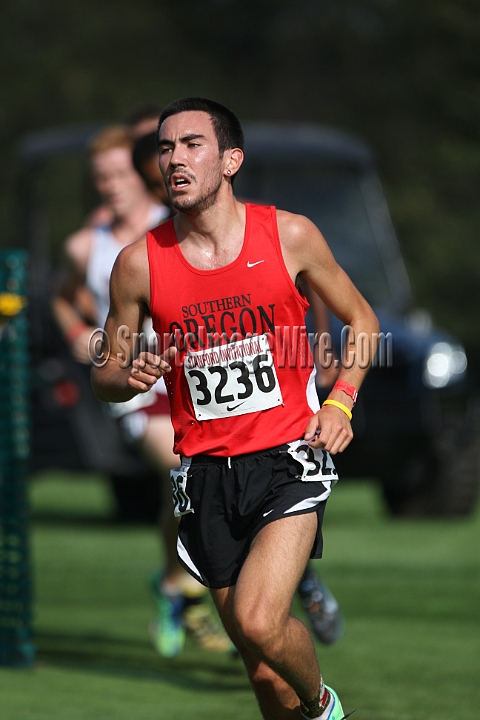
105,249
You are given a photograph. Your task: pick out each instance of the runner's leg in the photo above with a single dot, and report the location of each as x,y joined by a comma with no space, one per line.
276,647
275,697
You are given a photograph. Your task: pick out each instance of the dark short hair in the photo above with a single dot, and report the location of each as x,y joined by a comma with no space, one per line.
145,148
228,129
149,111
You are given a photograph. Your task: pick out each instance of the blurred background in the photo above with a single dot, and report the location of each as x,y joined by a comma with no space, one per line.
401,76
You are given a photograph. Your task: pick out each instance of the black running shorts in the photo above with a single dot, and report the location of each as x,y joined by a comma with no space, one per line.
224,502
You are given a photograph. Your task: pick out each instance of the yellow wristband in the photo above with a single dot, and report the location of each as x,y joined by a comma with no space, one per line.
339,405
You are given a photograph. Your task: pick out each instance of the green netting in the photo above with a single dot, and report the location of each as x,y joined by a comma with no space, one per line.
16,648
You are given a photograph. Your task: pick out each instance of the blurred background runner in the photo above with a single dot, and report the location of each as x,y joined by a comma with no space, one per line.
127,212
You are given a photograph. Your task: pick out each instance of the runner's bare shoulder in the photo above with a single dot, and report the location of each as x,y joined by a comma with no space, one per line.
302,242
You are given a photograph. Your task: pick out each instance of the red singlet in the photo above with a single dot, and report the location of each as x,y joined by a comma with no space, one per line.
243,379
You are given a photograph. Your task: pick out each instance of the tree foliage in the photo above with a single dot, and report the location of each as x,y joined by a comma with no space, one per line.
404,74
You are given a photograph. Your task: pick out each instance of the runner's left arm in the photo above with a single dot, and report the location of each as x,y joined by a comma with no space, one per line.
326,362
306,253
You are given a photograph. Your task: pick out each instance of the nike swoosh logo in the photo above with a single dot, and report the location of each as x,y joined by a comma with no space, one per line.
234,407
268,513
249,264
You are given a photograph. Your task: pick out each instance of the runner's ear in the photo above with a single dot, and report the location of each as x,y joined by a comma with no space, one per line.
234,159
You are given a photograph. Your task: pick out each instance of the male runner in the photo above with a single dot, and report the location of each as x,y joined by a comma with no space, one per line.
145,420
219,280
322,608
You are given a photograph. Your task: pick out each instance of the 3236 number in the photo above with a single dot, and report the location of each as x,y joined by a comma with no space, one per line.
263,374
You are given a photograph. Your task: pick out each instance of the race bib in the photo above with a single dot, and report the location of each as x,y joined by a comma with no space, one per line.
313,463
181,501
233,379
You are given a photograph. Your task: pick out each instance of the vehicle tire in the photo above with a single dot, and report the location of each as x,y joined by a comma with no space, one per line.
440,478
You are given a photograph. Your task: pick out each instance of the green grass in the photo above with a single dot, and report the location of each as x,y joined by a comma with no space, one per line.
410,592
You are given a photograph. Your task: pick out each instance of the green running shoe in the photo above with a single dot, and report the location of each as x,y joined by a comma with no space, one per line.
167,631
334,708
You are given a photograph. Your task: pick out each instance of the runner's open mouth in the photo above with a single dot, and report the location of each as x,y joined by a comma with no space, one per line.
179,182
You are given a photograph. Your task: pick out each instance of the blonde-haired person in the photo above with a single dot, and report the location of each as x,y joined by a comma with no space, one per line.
91,253
140,122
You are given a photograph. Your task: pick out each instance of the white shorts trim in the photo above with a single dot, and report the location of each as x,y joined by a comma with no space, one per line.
183,555
312,501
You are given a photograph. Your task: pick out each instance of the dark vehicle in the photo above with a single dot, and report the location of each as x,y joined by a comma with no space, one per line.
415,423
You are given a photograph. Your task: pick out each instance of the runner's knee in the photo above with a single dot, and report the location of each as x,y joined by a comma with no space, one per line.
258,628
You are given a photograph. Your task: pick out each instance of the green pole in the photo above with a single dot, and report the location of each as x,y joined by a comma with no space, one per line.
16,647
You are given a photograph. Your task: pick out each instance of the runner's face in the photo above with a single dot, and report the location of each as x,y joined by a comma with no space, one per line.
116,179
190,161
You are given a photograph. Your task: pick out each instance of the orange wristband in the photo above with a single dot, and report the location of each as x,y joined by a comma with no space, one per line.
347,389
